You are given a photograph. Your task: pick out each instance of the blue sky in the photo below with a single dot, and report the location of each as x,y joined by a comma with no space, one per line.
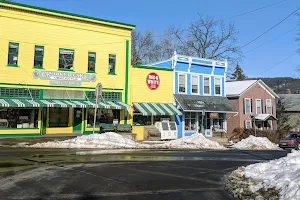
156,15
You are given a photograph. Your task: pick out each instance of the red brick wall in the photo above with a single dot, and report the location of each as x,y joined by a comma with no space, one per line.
255,92
233,120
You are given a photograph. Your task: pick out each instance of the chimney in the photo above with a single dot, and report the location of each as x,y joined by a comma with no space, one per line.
288,91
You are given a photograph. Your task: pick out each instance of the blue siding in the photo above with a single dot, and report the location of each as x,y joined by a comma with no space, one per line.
176,83
182,66
178,120
201,84
201,69
212,85
189,84
223,86
219,71
189,133
202,61
167,64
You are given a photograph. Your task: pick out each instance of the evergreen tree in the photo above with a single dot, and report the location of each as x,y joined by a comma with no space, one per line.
282,117
238,74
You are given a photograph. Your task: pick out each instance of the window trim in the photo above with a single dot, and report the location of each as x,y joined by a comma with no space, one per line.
267,106
13,65
221,84
185,84
246,124
112,73
245,106
91,71
198,85
260,106
208,94
39,67
63,69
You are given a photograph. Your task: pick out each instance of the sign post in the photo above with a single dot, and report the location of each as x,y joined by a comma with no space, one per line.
98,95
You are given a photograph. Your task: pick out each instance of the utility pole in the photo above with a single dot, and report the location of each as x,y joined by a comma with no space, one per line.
98,96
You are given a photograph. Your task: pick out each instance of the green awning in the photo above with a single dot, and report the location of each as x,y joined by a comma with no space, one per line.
148,109
26,103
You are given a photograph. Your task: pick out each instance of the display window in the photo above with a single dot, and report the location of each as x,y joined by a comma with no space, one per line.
18,118
58,117
103,116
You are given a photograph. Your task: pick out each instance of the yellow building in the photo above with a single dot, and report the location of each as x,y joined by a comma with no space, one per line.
50,64
151,95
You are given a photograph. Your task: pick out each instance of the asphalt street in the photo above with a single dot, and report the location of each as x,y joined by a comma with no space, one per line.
91,174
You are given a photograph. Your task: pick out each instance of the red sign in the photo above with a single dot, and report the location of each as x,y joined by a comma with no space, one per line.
152,81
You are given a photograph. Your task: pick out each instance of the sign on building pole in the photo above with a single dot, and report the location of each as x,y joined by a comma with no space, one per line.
98,96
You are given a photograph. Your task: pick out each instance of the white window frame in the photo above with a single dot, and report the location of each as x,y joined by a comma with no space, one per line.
190,121
246,124
209,77
269,100
220,78
245,112
256,104
185,83
197,84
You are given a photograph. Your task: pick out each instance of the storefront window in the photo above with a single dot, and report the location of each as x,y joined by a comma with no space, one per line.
139,119
58,117
214,121
190,121
104,116
18,118
158,118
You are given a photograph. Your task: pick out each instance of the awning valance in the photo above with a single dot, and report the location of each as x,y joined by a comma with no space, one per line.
195,103
148,109
26,103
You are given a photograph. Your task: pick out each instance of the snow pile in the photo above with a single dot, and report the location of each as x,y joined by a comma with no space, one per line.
282,174
109,140
195,141
256,143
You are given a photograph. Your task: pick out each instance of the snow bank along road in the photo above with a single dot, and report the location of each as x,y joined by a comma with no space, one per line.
165,174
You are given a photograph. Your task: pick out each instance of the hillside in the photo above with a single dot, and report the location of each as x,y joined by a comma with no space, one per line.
281,84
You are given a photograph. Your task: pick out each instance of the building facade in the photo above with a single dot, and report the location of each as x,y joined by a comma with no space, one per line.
255,103
199,92
49,71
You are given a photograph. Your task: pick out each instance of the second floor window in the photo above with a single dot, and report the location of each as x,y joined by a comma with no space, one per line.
258,106
66,59
269,106
206,84
13,51
217,86
195,83
38,56
181,83
92,62
247,105
112,64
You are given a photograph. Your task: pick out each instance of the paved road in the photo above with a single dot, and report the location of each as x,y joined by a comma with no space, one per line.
73,174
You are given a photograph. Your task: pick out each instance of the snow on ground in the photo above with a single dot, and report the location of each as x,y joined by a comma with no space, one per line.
256,143
112,140
282,174
107,140
195,141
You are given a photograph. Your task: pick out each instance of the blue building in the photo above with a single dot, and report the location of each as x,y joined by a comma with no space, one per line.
199,92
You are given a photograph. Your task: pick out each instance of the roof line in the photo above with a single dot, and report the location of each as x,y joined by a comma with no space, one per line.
2,2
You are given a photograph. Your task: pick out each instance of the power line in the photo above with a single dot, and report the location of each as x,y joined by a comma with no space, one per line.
238,15
270,28
271,40
276,64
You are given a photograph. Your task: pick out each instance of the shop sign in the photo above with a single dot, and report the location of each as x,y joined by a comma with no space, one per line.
214,115
152,81
65,83
63,76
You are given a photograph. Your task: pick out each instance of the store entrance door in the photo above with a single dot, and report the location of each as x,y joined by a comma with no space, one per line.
77,120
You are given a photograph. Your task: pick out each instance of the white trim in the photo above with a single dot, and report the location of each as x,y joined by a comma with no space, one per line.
261,110
246,124
194,73
185,75
204,59
245,106
221,84
270,100
209,94
213,68
267,90
198,85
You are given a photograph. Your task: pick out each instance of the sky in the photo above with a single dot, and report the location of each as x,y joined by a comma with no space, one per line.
276,59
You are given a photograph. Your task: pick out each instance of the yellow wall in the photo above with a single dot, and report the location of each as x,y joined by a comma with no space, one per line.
29,29
139,130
